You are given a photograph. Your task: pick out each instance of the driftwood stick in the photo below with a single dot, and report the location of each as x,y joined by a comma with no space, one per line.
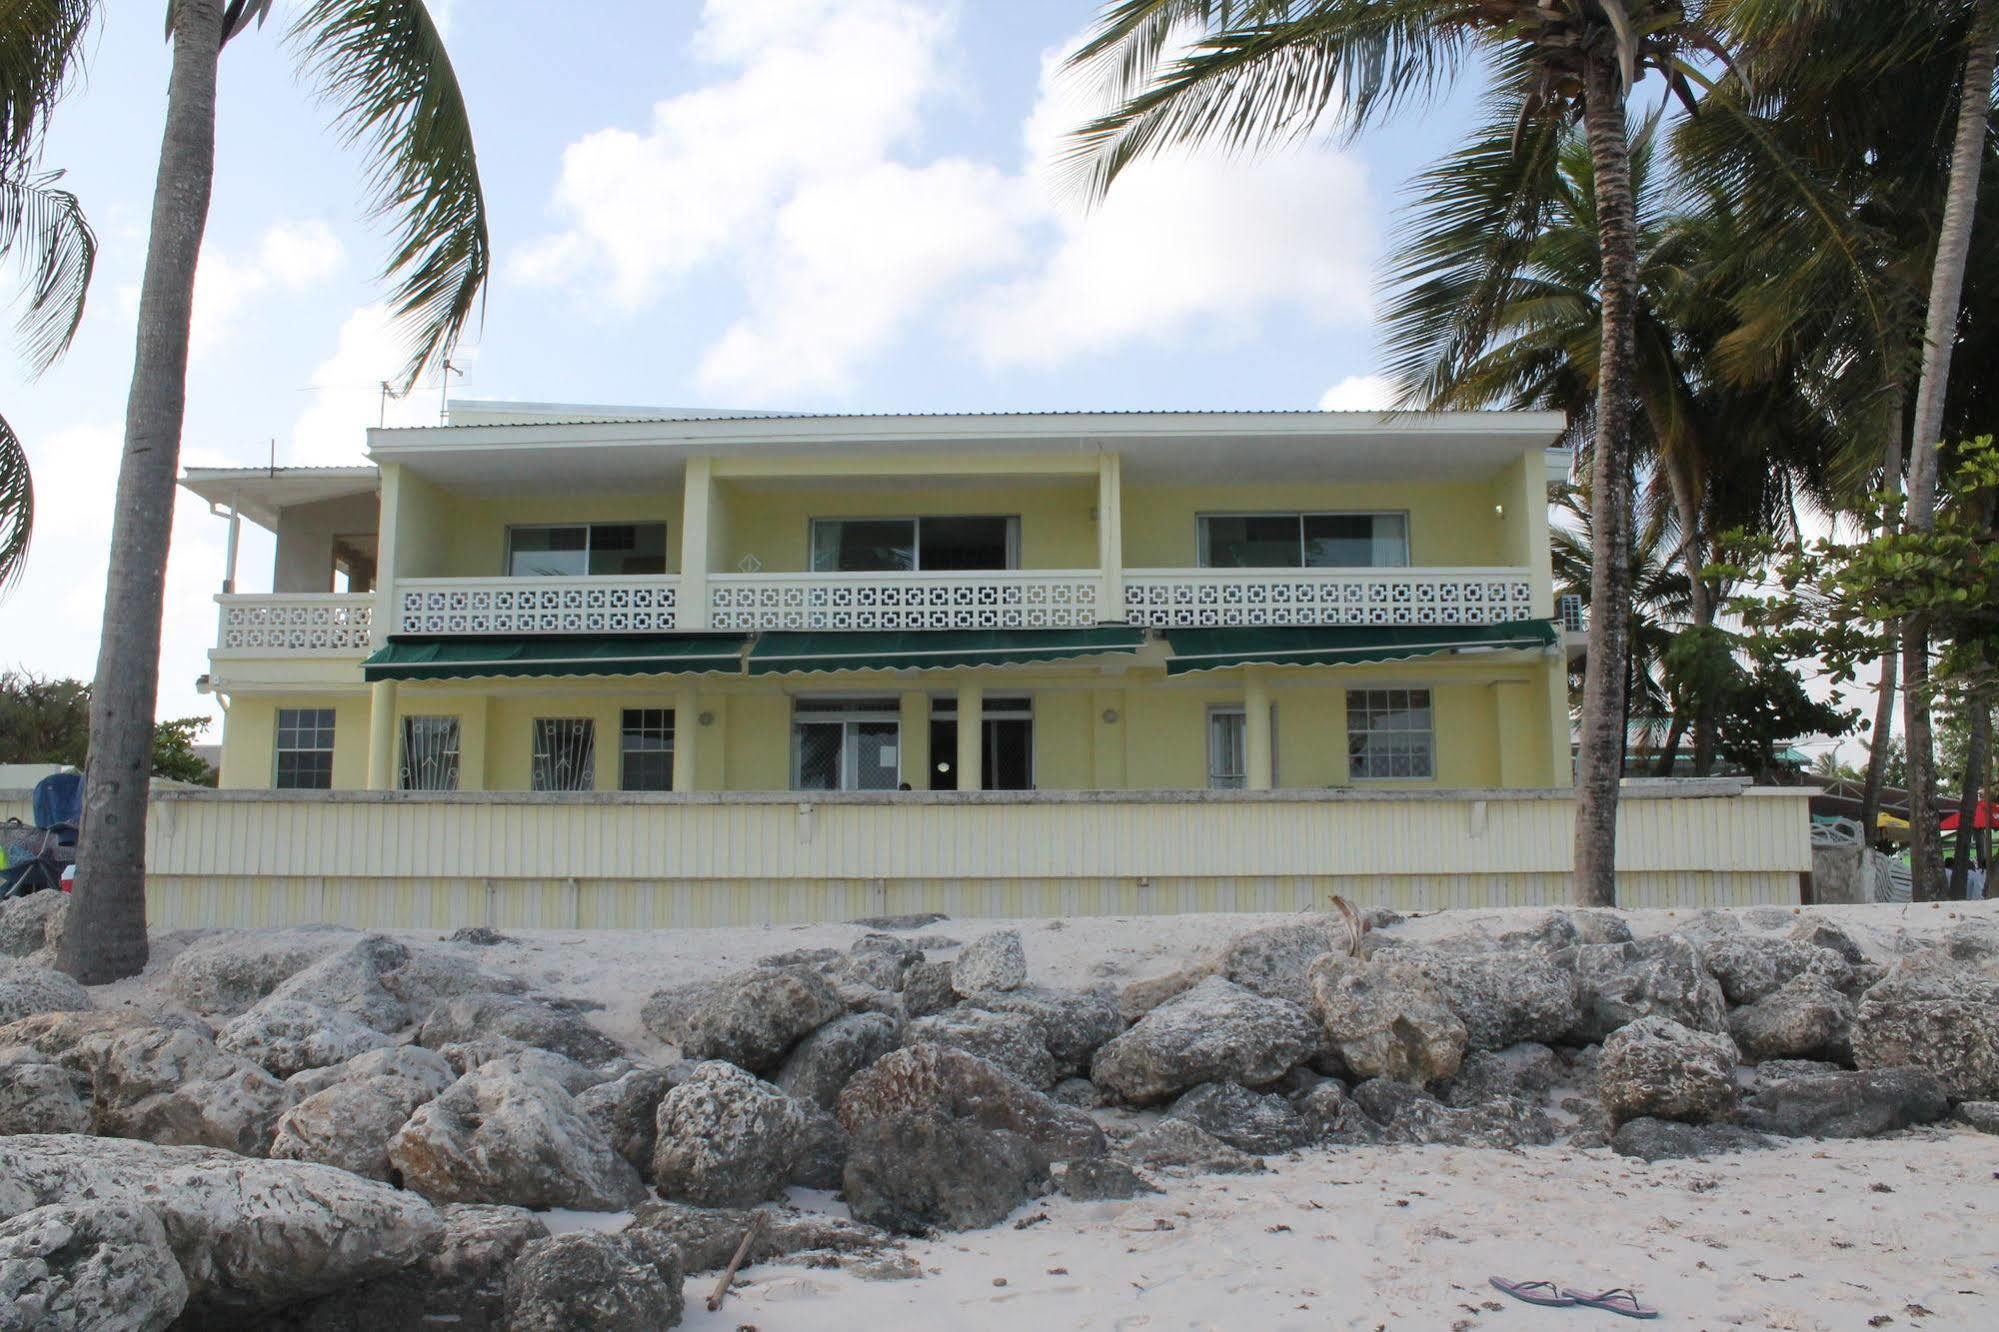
742,1251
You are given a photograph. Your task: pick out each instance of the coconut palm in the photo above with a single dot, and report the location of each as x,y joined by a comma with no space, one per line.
1261,72
382,68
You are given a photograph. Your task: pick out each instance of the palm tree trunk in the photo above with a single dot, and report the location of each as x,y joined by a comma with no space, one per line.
106,935
1974,112
1700,603
1977,753
1670,753
1884,700
1599,762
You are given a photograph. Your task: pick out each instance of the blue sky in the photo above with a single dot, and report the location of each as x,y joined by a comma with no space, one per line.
800,204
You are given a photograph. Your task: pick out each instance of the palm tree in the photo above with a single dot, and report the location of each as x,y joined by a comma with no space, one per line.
1268,71
382,67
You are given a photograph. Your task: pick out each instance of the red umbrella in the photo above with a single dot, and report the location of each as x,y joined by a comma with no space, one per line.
1982,817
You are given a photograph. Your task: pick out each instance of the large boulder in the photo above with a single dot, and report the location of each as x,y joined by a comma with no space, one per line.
500,1137
989,963
288,1036
1650,1139
250,1236
880,961
822,1151
1749,967
1215,1032
1940,1019
1175,1144
1845,1104
1529,1070
586,1281
1502,997
1658,977
913,1172
26,991
1073,1026
821,1064
1822,933
30,924
1384,1018
1401,1114
230,971
350,1124
175,1087
38,1095
1273,960
707,1237
936,1079
509,1055
1261,1123
459,1283
427,1068
1102,1179
535,1022
626,1109
1806,1016
354,980
665,1011
1657,1067
79,1268
928,987
1007,1039
754,1018
726,1138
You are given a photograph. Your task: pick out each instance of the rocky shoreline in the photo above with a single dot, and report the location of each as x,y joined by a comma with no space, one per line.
325,1129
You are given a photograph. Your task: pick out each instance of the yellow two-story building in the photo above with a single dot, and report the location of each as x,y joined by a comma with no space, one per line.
548,599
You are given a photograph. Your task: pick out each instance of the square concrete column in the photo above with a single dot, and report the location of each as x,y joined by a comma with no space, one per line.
1110,539
691,601
913,745
382,735
971,734
1257,767
686,729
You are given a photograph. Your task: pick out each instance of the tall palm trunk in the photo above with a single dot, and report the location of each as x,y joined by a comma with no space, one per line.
1977,753
106,934
1884,701
1600,761
1686,502
1974,113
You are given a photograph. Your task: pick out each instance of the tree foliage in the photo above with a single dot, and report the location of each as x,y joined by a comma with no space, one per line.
48,721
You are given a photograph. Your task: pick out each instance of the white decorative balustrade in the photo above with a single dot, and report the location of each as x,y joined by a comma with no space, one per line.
1205,598
591,605
986,599
289,624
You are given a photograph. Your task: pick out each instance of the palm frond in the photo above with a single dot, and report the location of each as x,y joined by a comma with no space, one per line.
17,505
43,228
41,55
382,66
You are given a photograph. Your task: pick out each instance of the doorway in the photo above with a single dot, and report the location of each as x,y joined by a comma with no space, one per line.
1008,751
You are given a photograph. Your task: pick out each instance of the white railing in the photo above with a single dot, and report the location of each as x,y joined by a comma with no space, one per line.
987,599
1204,598
476,606
286,624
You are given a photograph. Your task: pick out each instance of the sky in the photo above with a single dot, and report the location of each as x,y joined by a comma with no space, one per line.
818,205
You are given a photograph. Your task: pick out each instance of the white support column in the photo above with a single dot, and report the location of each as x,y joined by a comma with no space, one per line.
686,727
387,612
382,735
698,495
1110,538
235,537
1257,774
971,734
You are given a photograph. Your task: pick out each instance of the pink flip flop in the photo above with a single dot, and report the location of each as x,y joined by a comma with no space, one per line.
1617,1300
1535,1292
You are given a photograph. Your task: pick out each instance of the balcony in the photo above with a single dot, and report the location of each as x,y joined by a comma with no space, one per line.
985,599
472,607
295,624
1220,598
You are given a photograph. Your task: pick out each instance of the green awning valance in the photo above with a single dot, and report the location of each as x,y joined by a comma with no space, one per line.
472,658
1345,645
919,649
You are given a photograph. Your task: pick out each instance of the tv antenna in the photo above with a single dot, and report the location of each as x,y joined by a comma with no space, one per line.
444,390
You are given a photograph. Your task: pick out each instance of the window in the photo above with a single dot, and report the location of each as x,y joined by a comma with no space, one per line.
645,750
1006,749
845,745
1304,540
1228,747
565,754
901,545
595,549
305,749
430,754
1390,734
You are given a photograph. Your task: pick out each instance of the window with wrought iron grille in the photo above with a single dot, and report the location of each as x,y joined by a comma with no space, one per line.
565,754
430,754
304,749
1391,734
645,749
1228,747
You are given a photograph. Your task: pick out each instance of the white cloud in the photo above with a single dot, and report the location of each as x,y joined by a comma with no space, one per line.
292,257
347,393
1359,393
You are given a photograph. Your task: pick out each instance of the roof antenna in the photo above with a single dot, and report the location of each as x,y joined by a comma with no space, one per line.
388,391
273,464
444,391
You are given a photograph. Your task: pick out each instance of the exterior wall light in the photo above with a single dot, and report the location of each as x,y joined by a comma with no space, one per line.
1110,716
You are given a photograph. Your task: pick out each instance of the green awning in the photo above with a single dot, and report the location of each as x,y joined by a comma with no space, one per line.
1345,645
472,658
922,649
